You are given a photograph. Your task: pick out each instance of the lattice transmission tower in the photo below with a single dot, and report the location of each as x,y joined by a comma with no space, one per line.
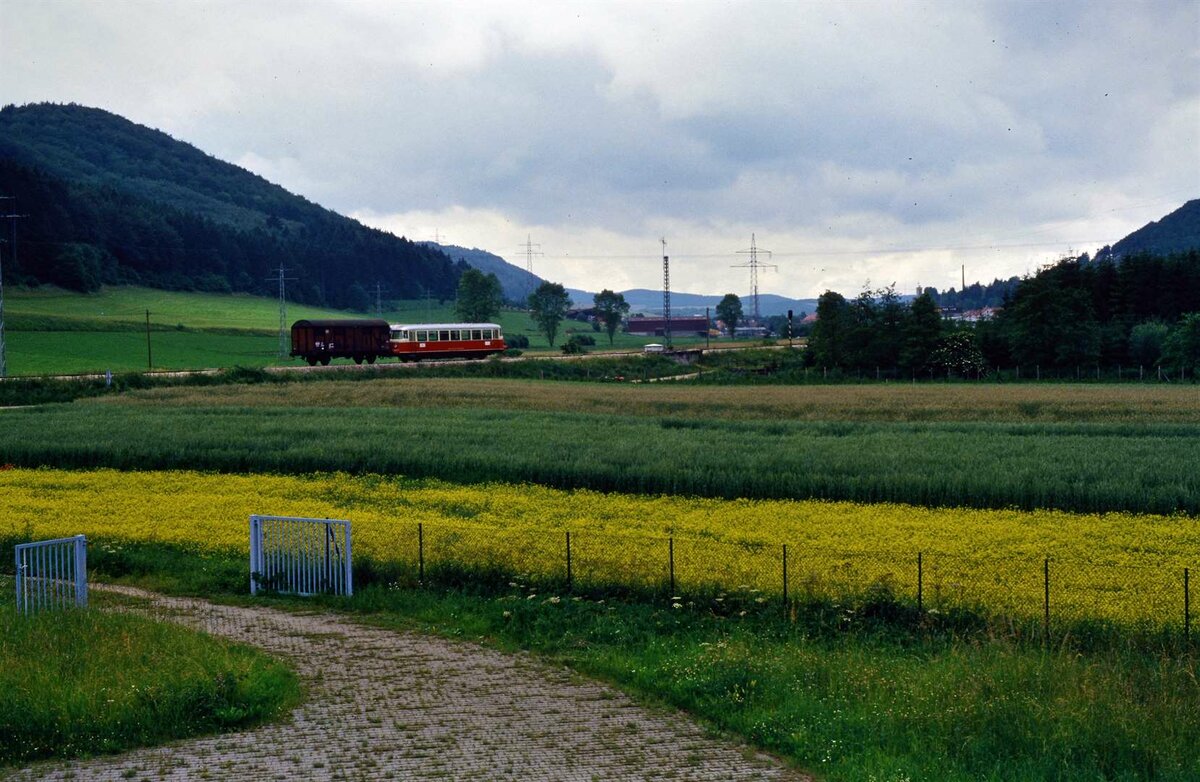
529,253
283,329
754,265
666,294
12,217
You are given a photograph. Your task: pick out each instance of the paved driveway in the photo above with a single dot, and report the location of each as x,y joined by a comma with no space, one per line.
397,705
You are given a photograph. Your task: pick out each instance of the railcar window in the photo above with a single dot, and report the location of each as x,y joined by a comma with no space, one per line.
431,336
476,334
443,336
397,334
455,335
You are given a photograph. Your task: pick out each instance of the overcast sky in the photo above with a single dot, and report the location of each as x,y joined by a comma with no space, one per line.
860,142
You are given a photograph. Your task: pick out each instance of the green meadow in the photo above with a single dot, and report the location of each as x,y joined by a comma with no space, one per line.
51,331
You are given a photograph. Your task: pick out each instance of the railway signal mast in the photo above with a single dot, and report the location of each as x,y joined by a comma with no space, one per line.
754,265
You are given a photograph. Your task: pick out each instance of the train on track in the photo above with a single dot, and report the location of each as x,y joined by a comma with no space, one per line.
320,341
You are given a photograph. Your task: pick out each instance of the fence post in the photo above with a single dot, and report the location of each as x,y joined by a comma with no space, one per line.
785,580
81,587
421,554
1187,610
255,556
20,573
348,573
1046,601
568,560
920,583
671,560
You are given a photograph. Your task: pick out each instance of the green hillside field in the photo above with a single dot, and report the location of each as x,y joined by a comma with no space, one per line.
51,331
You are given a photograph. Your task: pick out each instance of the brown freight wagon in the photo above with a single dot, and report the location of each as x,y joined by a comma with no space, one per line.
322,340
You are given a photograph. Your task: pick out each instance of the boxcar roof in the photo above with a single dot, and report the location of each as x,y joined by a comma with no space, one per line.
325,323
440,326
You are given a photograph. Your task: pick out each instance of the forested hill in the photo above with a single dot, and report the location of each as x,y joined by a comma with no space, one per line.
1177,232
112,202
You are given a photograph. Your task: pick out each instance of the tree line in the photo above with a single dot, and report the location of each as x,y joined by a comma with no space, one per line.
1141,310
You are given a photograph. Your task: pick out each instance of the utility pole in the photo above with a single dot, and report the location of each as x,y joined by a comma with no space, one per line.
149,355
707,327
12,218
283,329
666,294
379,289
754,265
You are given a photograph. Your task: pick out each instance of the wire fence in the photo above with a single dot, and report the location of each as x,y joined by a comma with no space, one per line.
1027,373
1045,594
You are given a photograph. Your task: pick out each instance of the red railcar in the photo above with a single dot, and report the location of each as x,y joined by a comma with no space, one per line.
416,341
322,340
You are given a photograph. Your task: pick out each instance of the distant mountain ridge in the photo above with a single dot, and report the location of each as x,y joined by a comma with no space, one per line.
651,301
515,282
110,201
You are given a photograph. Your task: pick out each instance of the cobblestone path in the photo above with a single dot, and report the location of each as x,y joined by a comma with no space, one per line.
396,705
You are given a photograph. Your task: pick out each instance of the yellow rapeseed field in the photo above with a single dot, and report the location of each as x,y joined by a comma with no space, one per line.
1116,566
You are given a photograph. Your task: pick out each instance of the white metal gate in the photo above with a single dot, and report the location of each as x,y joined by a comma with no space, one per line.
300,556
52,574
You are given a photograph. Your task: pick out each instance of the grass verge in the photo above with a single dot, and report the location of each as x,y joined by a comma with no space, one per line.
853,691
80,683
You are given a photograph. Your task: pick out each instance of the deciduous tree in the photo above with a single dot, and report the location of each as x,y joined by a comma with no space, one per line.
548,306
729,311
610,308
479,296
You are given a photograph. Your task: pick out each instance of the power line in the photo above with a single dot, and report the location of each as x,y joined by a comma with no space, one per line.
864,251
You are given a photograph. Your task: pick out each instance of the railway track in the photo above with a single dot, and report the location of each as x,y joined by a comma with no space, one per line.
392,365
